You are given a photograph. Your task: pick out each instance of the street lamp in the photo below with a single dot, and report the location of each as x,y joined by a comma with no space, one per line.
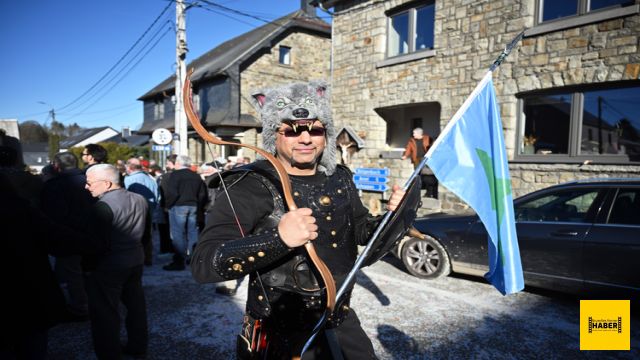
52,112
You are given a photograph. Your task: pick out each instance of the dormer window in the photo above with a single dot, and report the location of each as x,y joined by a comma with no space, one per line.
285,55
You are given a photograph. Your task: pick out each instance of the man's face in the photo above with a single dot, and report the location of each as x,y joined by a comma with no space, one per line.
170,165
299,145
86,157
96,186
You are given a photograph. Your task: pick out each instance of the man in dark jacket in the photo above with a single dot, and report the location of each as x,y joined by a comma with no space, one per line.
115,274
33,301
261,241
163,223
65,200
185,196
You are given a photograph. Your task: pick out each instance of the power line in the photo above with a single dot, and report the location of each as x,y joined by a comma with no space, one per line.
123,68
111,109
123,76
222,14
121,58
238,12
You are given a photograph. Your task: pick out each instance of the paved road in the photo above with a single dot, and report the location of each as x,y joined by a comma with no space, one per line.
406,318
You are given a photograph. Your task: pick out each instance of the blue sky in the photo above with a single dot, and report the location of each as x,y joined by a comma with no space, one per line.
56,51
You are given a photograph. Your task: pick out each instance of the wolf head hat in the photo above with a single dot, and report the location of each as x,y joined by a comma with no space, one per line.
298,101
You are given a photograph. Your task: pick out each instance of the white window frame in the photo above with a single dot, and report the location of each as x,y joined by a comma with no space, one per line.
158,109
287,61
412,53
411,34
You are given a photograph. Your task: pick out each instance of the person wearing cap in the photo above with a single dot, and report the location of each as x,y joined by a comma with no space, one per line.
256,236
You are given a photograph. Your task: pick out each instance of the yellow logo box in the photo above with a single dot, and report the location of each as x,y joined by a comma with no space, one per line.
604,325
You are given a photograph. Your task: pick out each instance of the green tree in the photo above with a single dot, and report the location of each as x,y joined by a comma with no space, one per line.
115,151
32,132
54,144
57,128
73,129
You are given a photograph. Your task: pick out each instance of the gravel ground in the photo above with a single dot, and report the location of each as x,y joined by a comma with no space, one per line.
405,317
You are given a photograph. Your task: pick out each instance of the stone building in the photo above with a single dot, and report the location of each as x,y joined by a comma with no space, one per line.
568,94
295,47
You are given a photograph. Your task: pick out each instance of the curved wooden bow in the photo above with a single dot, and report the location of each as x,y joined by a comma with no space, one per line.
194,119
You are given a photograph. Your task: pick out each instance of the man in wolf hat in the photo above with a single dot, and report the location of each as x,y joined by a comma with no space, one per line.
257,237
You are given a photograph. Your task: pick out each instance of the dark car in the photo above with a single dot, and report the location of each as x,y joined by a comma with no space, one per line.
578,237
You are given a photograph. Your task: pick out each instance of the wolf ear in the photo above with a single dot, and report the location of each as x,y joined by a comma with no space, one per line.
259,99
321,87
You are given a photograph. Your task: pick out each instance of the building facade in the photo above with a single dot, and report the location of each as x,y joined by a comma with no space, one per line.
567,93
294,48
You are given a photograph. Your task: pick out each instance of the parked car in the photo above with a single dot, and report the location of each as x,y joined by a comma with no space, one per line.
581,236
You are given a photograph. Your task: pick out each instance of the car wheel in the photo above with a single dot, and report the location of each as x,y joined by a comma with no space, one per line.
425,258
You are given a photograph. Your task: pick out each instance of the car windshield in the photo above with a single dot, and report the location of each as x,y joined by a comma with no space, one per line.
561,206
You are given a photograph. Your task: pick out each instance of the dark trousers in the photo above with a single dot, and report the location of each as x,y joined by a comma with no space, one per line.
165,235
31,345
69,271
351,341
430,184
106,289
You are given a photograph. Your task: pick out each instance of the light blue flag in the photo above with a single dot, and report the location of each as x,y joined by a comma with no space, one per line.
469,158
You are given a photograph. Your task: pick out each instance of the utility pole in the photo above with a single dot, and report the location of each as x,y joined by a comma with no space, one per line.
52,112
181,140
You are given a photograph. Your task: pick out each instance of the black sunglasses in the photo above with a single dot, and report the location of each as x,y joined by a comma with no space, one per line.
296,129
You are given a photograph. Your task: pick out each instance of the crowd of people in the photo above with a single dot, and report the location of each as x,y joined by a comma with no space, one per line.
80,234
97,222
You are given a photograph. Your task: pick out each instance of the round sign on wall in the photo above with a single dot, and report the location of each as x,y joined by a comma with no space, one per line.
161,136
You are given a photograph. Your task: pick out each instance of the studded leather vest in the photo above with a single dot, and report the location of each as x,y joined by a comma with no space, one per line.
289,285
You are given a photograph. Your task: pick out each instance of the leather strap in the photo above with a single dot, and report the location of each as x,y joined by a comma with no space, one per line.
194,119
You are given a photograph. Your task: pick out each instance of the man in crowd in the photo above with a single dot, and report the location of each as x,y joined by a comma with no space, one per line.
67,202
115,273
185,195
93,154
163,218
140,182
263,242
416,148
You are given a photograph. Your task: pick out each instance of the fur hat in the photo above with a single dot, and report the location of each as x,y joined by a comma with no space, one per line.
298,101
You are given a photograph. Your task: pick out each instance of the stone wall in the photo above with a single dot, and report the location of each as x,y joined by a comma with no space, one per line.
310,56
526,178
469,35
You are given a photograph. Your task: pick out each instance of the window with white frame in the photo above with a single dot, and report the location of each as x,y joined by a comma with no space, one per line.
158,110
411,29
284,57
549,10
598,123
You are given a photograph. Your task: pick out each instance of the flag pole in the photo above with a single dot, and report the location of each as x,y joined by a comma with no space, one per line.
416,172
365,252
507,50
